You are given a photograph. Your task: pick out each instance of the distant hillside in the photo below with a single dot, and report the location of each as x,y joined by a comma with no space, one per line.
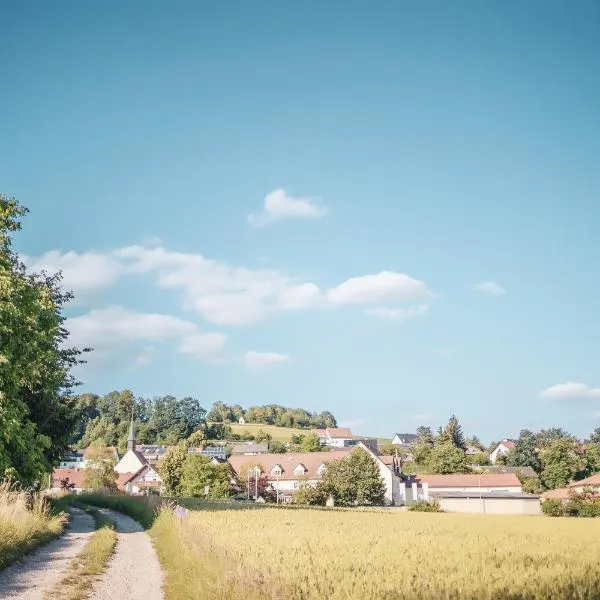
280,434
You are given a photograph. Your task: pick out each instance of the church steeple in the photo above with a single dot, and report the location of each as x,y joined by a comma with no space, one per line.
131,438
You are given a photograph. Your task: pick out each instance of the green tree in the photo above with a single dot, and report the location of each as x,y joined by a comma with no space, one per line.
525,452
595,436
425,436
261,437
447,458
353,481
37,410
453,433
421,453
311,443
199,475
561,462
170,468
197,439
388,449
480,458
277,447
100,471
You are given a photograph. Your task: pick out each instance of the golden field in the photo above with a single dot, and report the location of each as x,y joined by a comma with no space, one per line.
302,554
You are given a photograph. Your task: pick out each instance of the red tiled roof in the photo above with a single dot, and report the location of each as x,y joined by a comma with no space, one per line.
387,459
288,462
73,475
339,432
592,480
471,480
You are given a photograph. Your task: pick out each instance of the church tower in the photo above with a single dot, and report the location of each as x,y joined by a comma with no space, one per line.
131,438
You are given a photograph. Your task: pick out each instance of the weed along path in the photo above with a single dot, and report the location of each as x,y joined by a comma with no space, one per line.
39,571
133,572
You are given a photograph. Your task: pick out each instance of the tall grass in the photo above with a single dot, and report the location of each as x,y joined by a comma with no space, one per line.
24,525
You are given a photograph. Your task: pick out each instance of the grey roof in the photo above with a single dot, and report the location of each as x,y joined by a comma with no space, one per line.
503,495
523,471
249,448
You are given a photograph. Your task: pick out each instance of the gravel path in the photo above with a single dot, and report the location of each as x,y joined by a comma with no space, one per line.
134,571
37,572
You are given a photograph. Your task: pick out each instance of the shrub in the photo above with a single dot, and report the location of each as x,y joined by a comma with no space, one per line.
532,485
425,506
552,508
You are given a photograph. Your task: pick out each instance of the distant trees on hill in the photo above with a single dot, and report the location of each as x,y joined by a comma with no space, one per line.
271,414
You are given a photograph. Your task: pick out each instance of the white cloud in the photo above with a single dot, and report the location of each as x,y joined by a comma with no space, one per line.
256,360
278,205
386,286
570,391
399,314
596,414
224,294
114,327
84,272
489,287
144,358
352,423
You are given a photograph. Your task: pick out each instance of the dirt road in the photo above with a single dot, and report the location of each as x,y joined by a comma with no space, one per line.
134,571
35,574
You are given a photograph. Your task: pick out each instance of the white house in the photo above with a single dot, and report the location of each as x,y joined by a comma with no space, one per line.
132,460
404,439
336,437
73,460
145,479
286,473
504,447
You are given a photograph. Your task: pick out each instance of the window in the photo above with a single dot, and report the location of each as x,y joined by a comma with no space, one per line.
300,470
277,470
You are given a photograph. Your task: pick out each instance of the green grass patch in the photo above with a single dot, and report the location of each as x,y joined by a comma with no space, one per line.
280,434
142,509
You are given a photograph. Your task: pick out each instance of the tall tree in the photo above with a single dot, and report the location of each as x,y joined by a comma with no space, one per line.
526,452
453,433
100,471
425,435
200,478
561,462
171,468
353,481
447,458
37,411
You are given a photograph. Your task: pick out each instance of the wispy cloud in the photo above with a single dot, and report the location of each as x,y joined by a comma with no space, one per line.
278,205
425,417
258,360
352,423
491,288
570,391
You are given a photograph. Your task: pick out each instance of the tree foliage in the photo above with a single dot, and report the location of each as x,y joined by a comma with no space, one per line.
199,476
352,481
561,462
100,471
170,468
37,414
452,433
447,458
271,414
525,452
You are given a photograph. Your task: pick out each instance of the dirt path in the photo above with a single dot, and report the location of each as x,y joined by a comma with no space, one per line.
29,578
134,571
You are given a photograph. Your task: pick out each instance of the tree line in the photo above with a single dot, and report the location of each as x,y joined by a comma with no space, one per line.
271,414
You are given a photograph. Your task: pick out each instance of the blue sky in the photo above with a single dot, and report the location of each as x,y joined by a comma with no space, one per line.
386,211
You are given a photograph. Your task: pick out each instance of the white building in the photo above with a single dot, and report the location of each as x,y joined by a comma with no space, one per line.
504,447
336,437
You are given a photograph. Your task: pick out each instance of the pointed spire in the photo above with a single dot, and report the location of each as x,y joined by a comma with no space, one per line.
131,438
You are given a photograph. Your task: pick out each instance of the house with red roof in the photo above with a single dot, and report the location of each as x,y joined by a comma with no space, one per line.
336,437
503,448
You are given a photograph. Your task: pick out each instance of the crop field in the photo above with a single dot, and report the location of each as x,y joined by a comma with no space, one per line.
314,554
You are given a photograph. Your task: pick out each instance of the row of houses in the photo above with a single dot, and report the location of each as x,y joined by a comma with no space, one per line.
137,472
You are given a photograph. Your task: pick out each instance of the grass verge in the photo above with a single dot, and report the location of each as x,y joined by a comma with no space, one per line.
89,563
26,522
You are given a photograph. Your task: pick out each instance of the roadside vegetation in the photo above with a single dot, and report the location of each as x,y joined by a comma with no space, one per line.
25,523
89,563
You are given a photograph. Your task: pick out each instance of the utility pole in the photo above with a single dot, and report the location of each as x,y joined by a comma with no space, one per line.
255,485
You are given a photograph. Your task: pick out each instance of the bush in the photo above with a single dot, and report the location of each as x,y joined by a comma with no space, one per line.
425,506
532,485
552,508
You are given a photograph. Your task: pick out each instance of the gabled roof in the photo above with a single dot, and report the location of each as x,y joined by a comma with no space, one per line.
74,476
592,480
288,461
339,432
411,437
470,480
523,471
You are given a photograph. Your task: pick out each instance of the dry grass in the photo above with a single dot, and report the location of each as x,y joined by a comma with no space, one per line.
300,554
23,528
89,563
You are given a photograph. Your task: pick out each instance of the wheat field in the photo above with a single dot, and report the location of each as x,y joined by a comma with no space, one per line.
297,554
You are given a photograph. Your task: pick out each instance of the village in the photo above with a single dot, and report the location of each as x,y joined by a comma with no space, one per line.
491,489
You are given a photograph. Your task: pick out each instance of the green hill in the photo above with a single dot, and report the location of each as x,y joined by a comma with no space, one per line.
281,434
